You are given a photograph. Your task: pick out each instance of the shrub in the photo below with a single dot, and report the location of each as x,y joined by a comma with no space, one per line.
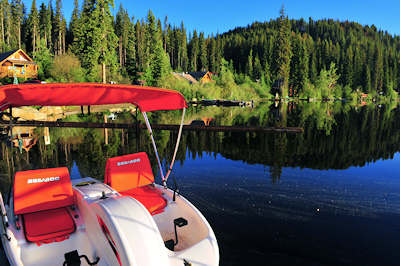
67,68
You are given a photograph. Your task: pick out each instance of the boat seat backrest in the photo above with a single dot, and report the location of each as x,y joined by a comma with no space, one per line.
41,190
129,171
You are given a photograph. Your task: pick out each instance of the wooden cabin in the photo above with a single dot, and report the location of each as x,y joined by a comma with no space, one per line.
18,63
185,76
202,77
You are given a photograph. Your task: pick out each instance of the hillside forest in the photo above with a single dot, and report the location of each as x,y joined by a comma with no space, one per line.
306,58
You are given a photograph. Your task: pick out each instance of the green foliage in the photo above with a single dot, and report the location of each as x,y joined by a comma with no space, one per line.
283,51
226,79
44,59
96,39
67,68
158,63
326,81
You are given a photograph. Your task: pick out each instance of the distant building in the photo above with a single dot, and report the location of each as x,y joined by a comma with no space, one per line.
185,76
202,77
17,63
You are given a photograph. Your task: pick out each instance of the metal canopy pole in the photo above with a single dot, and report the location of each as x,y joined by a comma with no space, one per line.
176,145
146,119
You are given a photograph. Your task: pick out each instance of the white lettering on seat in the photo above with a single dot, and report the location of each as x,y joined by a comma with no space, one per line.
128,162
43,180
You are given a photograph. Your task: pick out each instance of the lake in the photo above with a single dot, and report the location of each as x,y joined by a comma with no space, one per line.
330,195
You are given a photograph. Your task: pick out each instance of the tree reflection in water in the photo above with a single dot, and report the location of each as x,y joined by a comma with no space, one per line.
336,136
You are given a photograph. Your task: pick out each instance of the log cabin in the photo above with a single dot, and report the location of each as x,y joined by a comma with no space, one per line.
17,63
202,77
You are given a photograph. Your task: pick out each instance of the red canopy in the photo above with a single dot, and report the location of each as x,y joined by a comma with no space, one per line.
69,94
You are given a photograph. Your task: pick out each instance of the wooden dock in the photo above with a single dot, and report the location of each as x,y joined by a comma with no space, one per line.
289,130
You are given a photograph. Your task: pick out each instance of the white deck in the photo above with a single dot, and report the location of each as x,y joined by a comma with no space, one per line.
138,236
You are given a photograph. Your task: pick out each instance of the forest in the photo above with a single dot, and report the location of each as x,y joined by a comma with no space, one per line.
309,59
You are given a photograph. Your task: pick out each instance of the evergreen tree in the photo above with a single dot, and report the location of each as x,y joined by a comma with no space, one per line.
211,54
158,63
166,34
123,30
182,48
16,23
74,27
249,64
193,50
33,29
377,78
98,40
45,25
257,69
304,67
131,52
140,41
59,30
5,19
203,53
283,51
367,79
349,67
296,62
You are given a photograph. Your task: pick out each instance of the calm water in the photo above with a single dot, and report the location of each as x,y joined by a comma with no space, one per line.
328,196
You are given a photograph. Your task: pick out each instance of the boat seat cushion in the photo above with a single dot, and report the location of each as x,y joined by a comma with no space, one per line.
40,190
131,175
48,226
128,171
149,196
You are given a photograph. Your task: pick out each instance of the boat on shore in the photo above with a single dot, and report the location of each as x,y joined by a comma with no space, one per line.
49,219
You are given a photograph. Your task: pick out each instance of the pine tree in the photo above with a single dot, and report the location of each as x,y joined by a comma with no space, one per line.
193,50
158,63
367,79
45,25
257,69
296,62
17,19
267,75
203,53
98,40
123,29
249,64
349,67
166,34
131,52
304,67
58,29
283,51
5,17
74,27
211,54
182,48
33,29
377,78
140,41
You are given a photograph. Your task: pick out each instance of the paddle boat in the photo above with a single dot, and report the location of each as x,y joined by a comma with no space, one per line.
49,219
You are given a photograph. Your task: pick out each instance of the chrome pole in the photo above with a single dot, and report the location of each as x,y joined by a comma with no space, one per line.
146,119
176,146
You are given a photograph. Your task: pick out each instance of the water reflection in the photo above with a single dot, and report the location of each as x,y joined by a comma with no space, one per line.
336,136
276,198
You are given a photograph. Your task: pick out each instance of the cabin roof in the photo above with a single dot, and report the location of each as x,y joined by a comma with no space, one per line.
198,75
186,76
5,56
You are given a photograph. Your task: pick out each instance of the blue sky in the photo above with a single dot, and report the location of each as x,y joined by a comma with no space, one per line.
213,16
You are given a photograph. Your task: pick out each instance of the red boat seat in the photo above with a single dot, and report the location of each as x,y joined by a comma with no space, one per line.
41,198
131,175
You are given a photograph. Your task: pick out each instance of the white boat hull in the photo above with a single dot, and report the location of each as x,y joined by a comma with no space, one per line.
136,236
